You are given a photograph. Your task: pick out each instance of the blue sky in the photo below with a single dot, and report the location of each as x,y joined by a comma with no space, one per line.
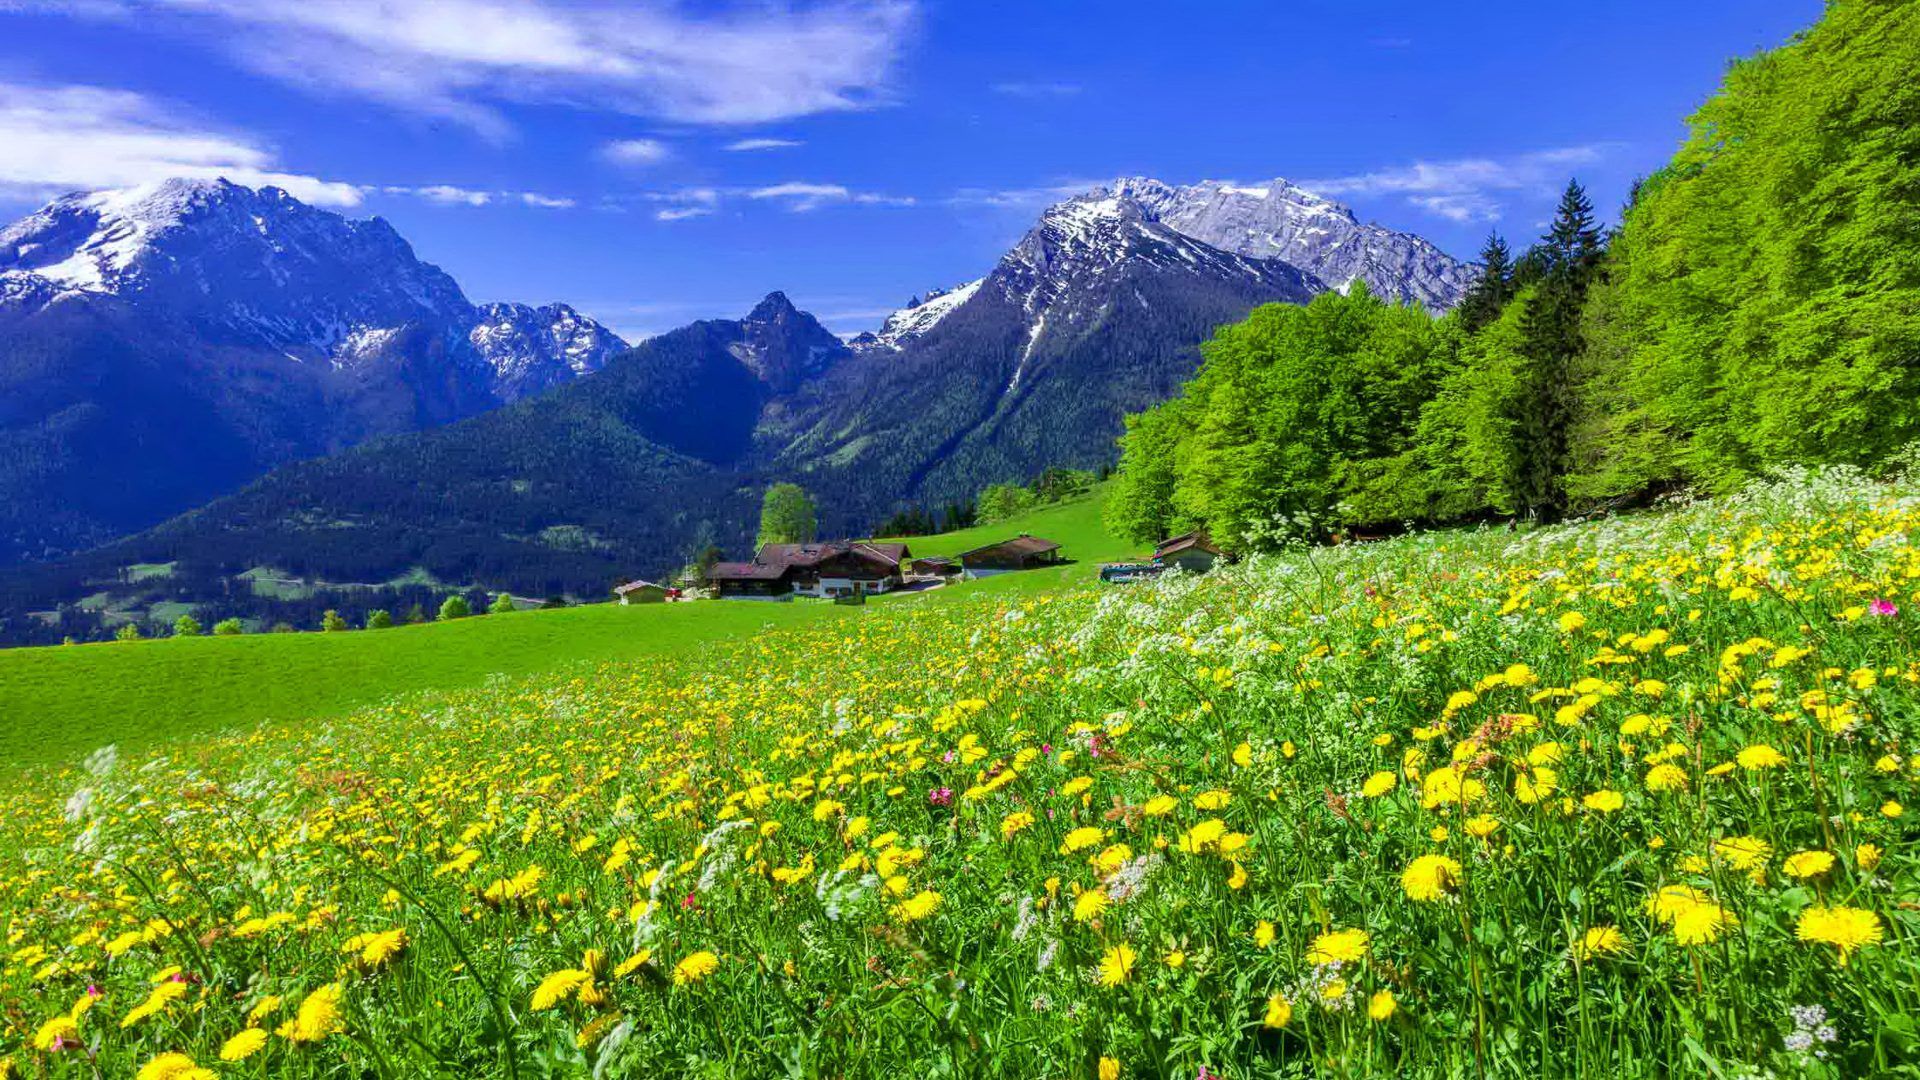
658,163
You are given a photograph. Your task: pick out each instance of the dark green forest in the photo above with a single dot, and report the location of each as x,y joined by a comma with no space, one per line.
1757,306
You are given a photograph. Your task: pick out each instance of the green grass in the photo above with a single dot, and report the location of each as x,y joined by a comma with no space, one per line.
59,703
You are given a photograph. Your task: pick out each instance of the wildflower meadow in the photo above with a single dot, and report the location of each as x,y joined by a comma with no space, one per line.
1626,798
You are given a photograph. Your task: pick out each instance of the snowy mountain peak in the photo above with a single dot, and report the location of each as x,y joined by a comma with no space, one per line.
919,316
530,349
1276,219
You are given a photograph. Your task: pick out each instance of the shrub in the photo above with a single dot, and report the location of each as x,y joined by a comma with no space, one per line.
186,626
229,627
331,622
454,607
379,619
502,605
129,632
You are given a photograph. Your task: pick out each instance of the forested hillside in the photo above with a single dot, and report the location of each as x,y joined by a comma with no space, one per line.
1759,305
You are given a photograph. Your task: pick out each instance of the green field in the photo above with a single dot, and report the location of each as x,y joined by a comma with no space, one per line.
60,702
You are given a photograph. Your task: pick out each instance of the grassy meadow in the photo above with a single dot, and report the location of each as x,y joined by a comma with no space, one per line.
58,704
1625,799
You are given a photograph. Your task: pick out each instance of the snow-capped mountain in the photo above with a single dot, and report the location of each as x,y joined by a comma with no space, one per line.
257,267
1278,220
921,314
159,345
530,349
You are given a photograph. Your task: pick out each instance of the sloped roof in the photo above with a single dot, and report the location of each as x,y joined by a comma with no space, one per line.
746,571
636,586
1173,545
1019,545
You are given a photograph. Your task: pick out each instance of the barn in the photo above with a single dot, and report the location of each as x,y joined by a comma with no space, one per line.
1022,552
1194,552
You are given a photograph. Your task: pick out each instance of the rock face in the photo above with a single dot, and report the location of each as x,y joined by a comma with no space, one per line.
1277,220
161,345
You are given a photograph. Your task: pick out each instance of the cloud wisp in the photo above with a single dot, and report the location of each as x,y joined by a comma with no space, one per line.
459,60
636,151
55,139
1466,189
750,145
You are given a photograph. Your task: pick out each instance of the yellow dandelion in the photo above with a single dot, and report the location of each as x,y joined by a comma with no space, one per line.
1867,857
1744,852
1599,942
1379,784
1430,877
1381,1006
1014,823
918,906
1159,806
1338,947
1666,776
173,1066
1262,934
1702,924
1088,905
558,987
1279,1011
1082,838
1808,864
1116,966
244,1045
318,1016
695,967
1109,1068
1604,802
1844,928
1759,756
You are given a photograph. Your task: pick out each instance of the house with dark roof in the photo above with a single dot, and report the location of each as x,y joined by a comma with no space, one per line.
832,569
1194,552
1022,552
641,592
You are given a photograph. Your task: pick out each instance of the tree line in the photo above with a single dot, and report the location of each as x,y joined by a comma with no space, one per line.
1758,305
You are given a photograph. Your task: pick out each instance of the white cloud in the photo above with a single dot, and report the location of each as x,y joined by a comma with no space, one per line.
1467,189
454,195
636,151
681,213
1036,89
546,202
762,144
459,59
800,196
63,138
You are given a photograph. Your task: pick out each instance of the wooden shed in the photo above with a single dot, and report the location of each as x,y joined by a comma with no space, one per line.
1194,552
1022,552
641,592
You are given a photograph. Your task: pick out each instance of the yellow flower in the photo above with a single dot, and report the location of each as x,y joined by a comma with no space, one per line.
1844,928
56,1031
632,963
1445,786
1243,755
1109,1068
1891,809
1666,777
1338,947
164,994
173,1067
1279,1011
1430,877
1600,941
1212,800
318,1016
1238,879
1014,823
1379,784
1088,905
558,987
1175,959
377,948
1571,621
244,1045
1381,1005
1084,837
1759,756
1808,864
1532,789
917,907
1482,825
1744,852
1867,857
1667,904
694,967
1262,934
1160,806
1702,924
1605,802
1116,966
828,808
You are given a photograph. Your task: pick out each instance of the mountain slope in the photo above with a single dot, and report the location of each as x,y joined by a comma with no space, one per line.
159,346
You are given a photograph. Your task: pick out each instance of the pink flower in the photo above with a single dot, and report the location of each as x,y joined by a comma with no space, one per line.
947,757
940,796
1046,748
1883,607
690,901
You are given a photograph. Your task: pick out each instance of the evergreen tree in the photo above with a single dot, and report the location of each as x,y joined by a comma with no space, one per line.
1489,295
1551,340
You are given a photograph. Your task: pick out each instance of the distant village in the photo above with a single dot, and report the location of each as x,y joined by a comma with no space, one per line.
848,571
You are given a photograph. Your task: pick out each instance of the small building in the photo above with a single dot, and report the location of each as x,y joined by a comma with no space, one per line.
1127,573
935,566
834,569
1022,552
641,592
1194,552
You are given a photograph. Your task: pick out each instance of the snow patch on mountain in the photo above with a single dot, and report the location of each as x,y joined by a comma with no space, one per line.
919,316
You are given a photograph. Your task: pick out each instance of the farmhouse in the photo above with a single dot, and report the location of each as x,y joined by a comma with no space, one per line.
1023,552
935,566
1194,551
641,592
841,568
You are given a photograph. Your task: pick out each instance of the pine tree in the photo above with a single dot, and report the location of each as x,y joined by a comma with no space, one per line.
1489,295
1570,254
